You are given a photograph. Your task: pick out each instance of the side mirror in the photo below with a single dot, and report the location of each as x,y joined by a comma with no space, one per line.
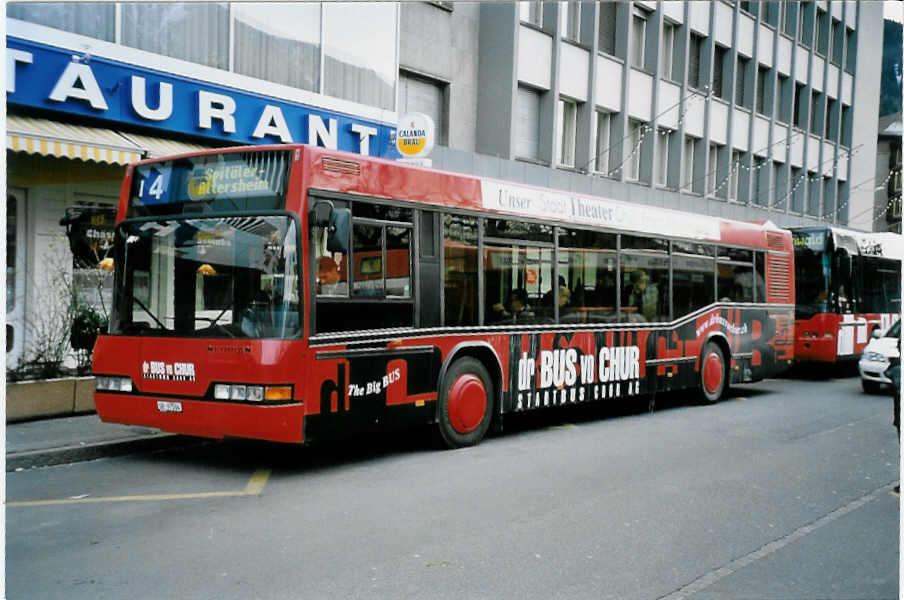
337,241
321,214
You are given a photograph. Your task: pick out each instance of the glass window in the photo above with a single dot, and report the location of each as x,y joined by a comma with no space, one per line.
531,11
693,278
603,120
799,108
196,32
822,32
761,188
608,13
568,116
587,276
359,47
816,113
662,156
712,171
518,284
636,242
571,15
784,98
633,151
527,124
761,74
428,96
667,49
518,230
278,42
93,19
210,277
694,57
881,285
741,82
735,282
719,87
734,168
797,190
460,257
850,44
837,42
644,287
638,39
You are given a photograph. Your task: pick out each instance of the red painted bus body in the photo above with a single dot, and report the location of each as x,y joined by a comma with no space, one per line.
318,372
848,285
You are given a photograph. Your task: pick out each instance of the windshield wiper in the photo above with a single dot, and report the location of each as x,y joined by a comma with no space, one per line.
148,311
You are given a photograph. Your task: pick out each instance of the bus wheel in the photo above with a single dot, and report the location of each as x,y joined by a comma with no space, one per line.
713,380
465,403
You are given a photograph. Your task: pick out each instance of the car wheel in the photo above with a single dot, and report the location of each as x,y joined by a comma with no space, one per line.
870,387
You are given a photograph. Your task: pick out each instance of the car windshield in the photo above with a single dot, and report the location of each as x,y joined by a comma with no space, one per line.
210,277
894,331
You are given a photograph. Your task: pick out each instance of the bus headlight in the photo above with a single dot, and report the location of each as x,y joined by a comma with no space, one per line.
238,391
110,383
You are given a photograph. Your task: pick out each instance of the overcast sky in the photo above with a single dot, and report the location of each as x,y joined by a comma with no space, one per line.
894,10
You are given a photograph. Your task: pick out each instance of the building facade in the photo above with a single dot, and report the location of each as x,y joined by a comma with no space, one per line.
887,211
748,110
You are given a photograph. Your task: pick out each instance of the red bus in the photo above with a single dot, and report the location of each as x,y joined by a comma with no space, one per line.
237,314
848,285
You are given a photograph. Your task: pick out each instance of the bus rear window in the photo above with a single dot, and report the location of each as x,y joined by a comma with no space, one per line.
211,184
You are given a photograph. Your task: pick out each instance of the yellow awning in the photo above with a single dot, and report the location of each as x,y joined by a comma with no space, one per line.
52,138
154,146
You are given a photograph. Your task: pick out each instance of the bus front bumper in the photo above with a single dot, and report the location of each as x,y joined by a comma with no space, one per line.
278,423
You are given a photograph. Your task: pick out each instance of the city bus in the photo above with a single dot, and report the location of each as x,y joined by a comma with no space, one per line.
293,293
847,286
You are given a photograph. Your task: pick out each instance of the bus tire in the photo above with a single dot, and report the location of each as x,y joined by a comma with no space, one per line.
465,403
713,373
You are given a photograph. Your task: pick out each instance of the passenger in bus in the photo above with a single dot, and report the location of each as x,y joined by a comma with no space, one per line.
644,296
329,279
517,308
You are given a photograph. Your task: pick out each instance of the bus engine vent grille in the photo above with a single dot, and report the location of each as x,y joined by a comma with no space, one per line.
337,165
775,241
779,278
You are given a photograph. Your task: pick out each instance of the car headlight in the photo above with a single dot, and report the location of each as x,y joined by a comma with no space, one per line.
874,357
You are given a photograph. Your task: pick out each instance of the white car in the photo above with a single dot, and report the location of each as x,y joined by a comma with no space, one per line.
880,355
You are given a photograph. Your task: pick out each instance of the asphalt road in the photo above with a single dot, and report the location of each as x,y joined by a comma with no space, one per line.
782,491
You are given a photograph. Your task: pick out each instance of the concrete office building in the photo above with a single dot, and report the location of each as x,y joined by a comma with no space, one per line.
742,109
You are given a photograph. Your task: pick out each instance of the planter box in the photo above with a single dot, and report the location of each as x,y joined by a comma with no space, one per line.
49,398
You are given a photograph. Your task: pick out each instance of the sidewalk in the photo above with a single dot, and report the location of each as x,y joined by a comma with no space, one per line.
75,439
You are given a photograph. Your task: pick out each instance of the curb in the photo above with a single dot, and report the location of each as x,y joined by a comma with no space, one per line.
84,452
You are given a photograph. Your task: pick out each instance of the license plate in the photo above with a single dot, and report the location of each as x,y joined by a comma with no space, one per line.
164,406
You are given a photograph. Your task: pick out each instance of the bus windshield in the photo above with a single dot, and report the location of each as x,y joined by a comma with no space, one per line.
210,277
812,271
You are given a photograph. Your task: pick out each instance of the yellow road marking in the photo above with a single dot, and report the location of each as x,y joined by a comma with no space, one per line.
254,488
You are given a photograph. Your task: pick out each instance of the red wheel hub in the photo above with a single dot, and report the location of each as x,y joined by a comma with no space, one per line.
713,372
467,403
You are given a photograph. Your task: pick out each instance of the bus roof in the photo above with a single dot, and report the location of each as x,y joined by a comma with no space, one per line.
393,179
